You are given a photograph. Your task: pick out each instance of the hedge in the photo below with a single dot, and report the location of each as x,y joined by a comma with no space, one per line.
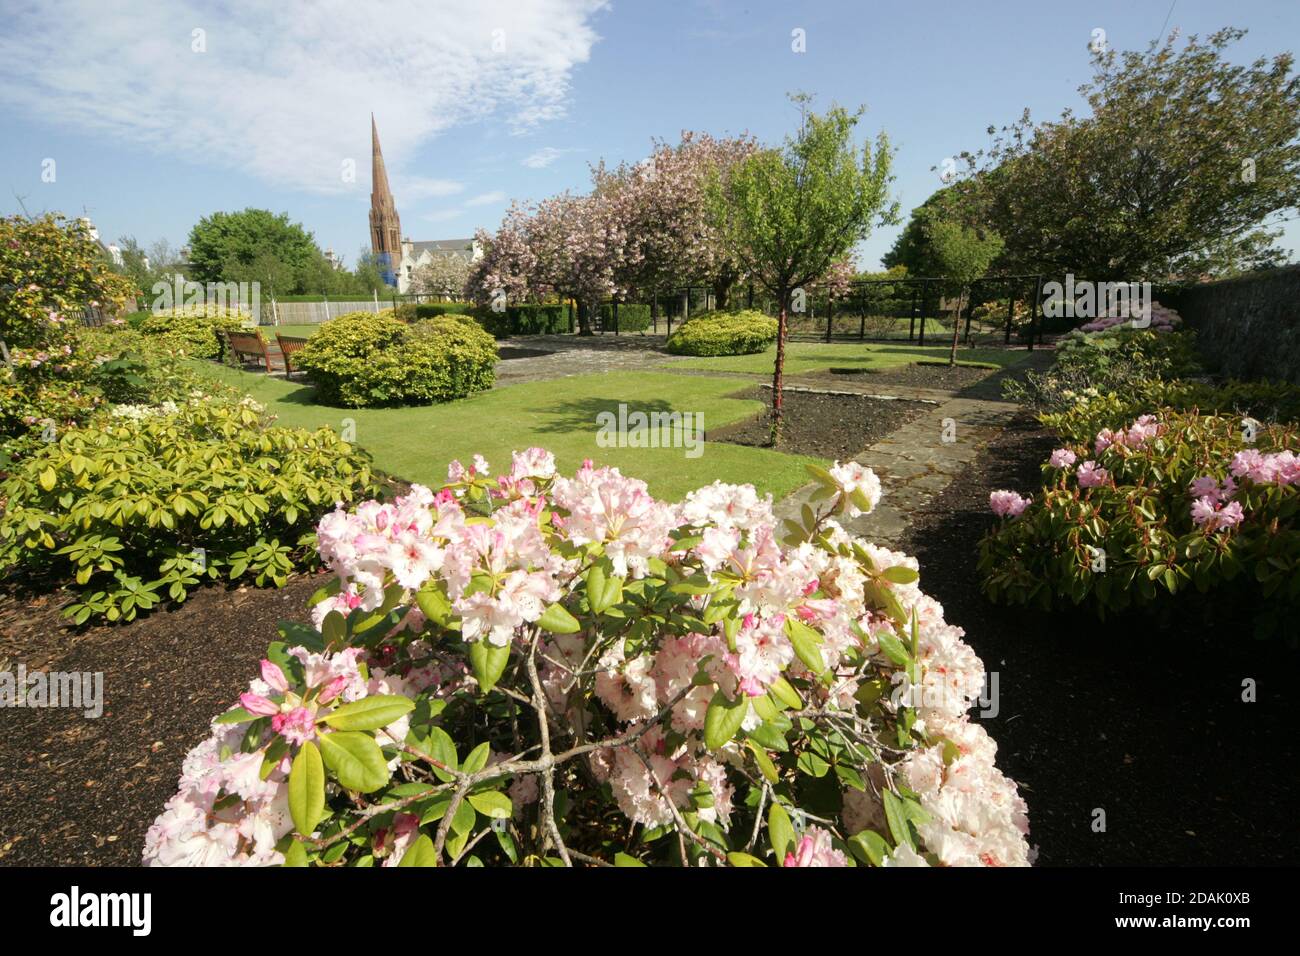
632,317
723,333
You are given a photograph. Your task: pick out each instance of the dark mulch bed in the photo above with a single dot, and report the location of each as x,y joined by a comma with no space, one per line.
916,375
826,426
507,352
1139,715
79,791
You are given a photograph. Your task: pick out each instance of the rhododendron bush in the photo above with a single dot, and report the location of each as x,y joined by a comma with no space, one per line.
1174,500
539,669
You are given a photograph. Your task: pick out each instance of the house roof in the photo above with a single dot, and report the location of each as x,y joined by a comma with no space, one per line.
443,245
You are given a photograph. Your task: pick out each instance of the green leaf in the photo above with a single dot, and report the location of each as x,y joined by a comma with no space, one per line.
306,789
295,854
558,620
805,641
434,604
812,765
764,762
869,847
356,760
622,859
489,662
736,858
477,758
896,817
370,713
236,716
786,694
420,853
899,574
723,719
780,832
442,749
893,648
492,804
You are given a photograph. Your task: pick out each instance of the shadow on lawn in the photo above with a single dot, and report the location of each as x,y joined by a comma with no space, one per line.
581,414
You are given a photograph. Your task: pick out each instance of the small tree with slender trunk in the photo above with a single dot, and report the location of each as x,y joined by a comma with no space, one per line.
961,255
787,214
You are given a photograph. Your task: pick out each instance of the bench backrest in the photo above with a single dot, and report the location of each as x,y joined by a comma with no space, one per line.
247,343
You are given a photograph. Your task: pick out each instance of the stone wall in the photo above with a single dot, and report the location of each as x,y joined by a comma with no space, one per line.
1248,327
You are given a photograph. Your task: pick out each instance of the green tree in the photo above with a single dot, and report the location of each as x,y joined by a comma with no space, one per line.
1181,169
960,254
254,244
786,214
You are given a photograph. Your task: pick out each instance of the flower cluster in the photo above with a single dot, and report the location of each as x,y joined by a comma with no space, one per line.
490,645
1007,504
1162,320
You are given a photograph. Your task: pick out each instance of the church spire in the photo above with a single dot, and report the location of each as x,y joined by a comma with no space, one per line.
385,226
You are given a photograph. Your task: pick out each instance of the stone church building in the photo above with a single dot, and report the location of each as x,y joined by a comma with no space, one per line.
400,257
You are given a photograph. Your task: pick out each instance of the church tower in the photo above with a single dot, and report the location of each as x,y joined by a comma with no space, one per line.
385,227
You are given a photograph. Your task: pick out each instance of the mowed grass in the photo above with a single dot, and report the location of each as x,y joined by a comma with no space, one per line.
293,331
807,357
559,414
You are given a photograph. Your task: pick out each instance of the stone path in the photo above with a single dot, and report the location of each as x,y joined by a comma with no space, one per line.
918,460
581,355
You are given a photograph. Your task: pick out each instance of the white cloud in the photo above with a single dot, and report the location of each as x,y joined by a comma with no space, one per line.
284,91
486,199
543,157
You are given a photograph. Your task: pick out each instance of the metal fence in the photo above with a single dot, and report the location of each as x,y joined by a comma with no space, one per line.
921,310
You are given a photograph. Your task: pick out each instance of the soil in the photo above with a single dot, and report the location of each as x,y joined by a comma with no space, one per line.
916,375
507,352
827,426
81,791
1140,715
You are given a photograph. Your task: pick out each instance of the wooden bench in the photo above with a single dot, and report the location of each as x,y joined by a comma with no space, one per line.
250,346
288,345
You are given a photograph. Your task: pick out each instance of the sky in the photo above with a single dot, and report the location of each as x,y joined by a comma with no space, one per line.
150,114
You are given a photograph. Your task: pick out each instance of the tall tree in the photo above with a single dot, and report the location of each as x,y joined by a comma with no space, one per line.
787,214
1181,169
253,243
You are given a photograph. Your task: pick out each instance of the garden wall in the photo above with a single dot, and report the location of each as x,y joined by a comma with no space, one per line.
1247,327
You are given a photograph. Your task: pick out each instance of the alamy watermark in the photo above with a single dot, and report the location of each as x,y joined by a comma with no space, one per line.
1094,300
639,429
182,293
78,690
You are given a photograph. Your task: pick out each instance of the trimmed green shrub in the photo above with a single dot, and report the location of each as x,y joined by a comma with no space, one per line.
192,332
430,310
632,317
152,501
368,359
529,319
723,333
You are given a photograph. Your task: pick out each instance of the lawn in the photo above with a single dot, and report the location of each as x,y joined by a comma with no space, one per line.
804,357
296,331
560,414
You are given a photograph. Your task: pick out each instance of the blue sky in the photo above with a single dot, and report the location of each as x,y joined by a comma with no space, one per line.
481,101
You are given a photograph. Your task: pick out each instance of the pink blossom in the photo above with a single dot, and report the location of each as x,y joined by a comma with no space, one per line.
1062,458
272,674
1007,504
1092,476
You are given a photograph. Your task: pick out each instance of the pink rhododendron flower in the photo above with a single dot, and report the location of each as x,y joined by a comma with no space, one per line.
815,849
1007,504
1090,475
858,484
1063,458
